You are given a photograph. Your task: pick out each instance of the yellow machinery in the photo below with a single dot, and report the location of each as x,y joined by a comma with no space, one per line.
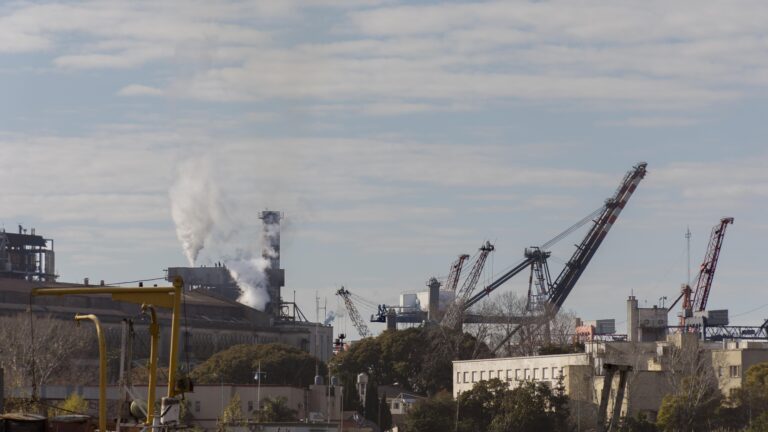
149,298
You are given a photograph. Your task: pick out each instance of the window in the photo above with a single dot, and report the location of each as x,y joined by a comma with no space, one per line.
395,405
535,373
735,371
197,406
490,375
527,373
499,374
719,371
561,372
458,377
544,373
482,375
474,378
465,376
509,375
517,374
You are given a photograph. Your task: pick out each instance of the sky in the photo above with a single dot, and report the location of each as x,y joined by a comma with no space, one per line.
394,136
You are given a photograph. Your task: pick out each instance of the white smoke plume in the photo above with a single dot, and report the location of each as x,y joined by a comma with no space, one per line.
250,275
329,318
194,206
201,212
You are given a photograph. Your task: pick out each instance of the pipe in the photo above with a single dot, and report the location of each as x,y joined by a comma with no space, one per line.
154,333
102,369
175,330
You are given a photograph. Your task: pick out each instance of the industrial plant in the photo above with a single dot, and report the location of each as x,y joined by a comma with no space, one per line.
607,375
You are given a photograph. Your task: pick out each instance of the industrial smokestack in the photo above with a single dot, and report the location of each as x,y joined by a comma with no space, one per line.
270,252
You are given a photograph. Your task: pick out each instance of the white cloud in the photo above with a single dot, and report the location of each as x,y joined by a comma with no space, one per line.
139,90
420,58
652,122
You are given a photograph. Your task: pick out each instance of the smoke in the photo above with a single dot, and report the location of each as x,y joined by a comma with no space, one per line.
194,206
250,275
329,318
201,213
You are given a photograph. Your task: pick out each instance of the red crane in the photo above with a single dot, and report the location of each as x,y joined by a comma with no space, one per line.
695,300
452,316
453,277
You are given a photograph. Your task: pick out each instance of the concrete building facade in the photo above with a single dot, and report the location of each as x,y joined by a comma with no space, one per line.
650,365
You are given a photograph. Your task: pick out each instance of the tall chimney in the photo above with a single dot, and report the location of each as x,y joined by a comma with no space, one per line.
270,241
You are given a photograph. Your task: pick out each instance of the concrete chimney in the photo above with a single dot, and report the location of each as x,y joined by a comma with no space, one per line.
633,319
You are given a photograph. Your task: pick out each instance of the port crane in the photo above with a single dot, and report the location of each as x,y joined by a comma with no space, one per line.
550,296
555,293
354,315
454,313
452,282
695,300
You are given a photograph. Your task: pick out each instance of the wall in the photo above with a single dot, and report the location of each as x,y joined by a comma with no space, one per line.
513,369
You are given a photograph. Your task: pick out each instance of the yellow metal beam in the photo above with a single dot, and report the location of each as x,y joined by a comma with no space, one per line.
102,369
165,297
154,334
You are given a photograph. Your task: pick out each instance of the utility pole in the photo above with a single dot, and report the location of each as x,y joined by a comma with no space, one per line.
258,390
688,240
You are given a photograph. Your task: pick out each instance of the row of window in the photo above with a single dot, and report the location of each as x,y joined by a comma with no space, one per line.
510,374
733,371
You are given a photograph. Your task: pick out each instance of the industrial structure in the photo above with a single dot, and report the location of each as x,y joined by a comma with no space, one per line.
27,256
213,319
630,376
545,296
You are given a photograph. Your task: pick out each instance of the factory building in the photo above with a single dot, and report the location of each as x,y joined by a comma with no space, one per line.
213,319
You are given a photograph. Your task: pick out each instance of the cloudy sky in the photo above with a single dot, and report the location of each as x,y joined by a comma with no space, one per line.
394,136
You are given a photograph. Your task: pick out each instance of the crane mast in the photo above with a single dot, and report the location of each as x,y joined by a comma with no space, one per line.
357,321
707,271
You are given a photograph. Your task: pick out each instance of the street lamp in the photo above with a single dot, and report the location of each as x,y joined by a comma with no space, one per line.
258,376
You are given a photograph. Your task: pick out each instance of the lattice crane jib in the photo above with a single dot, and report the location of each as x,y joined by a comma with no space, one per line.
453,315
706,275
357,321
453,276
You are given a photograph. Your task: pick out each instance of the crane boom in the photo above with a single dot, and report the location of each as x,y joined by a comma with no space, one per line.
586,250
708,267
453,277
453,314
357,321
605,218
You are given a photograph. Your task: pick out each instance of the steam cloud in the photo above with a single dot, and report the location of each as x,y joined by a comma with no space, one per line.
200,211
329,319
194,205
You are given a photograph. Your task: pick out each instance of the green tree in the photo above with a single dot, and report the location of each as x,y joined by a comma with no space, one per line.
746,405
371,408
530,407
637,424
385,415
478,407
232,414
418,359
280,364
276,410
690,408
435,414
350,394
